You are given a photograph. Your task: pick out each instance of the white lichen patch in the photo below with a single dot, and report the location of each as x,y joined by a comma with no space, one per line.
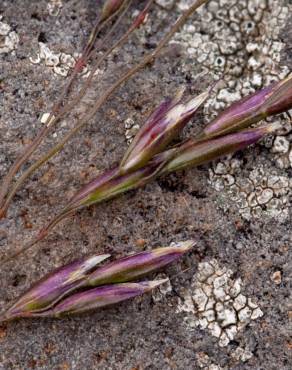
131,129
215,303
242,354
281,146
262,193
239,355
239,42
54,7
205,363
60,63
9,39
161,292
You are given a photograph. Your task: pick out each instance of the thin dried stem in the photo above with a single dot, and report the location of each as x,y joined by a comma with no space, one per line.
99,61
146,60
71,105
42,234
53,117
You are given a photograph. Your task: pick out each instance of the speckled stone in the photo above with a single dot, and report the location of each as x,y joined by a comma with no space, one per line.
147,332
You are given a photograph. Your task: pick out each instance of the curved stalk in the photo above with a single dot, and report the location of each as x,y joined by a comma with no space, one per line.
99,61
71,105
146,60
54,116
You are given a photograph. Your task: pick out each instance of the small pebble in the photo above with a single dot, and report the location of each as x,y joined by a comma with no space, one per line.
276,277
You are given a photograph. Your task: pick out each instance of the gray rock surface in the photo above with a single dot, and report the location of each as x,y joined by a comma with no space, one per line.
238,209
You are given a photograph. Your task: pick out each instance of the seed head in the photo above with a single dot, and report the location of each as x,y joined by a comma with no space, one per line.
137,265
53,287
160,129
68,289
274,99
112,183
98,298
194,153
